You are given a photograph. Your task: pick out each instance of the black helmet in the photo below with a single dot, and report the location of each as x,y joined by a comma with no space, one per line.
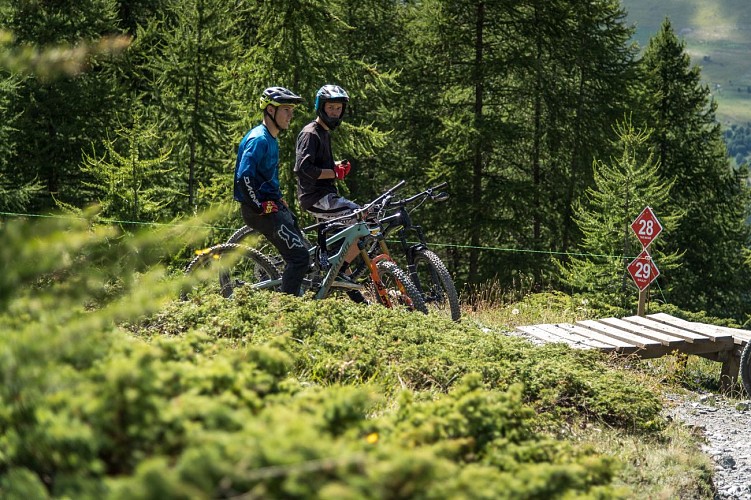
279,95
331,93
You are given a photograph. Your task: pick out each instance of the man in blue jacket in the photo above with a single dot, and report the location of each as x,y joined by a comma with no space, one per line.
257,186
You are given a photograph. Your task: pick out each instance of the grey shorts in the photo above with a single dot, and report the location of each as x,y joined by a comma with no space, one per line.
332,206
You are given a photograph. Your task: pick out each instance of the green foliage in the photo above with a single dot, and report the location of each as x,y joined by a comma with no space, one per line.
422,354
623,188
713,234
61,108
188,56
130,187
738,140
110,389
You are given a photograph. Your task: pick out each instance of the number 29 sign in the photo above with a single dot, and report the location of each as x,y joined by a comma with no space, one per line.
643,269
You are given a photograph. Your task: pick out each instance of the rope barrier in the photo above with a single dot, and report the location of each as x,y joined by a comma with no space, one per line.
208,226
117,221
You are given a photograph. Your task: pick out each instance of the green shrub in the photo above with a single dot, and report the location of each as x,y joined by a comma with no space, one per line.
110,388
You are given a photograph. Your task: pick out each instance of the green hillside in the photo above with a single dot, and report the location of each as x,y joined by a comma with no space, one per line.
718,38
110,388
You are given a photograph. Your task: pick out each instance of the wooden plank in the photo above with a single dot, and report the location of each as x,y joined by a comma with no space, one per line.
741,337
636,340
688,336
576,338
620,346
743,334
663,338
732,331
710,331
548,337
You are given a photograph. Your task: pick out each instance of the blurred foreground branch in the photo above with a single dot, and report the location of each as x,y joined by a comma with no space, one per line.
55,61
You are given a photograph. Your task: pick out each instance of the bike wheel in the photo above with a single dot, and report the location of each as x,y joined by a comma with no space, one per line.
401,291
237,266
746,368
261,244
241,233
436,285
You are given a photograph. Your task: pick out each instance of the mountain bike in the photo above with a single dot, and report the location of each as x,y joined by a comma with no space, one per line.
249,267
426,269
745,368
234,263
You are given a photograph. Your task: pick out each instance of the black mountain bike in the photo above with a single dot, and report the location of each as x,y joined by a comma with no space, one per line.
746,368
425,268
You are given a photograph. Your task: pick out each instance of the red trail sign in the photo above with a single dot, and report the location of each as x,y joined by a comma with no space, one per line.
646,227
643,270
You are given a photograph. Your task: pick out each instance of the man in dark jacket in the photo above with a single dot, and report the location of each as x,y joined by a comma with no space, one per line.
316,169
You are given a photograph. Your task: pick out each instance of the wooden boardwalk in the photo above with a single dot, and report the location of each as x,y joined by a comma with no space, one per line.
651,336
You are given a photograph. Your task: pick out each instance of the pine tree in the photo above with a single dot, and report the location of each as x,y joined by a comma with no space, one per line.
129,186
58,117
376,56
511,102
687,138
575,64
622,188
454,107
11,197
192,50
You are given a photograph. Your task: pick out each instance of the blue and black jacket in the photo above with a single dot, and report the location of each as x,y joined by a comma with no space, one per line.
257,169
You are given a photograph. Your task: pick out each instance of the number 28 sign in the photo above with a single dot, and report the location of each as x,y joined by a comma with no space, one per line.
643,270
646,227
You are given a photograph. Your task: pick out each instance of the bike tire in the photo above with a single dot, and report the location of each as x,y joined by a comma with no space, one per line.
237,265
392,275
436,285
241,233
745,368
262,245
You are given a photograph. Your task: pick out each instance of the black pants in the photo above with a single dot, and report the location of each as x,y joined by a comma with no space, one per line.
281,229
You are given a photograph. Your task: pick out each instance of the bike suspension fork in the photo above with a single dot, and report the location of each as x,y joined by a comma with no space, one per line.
374,276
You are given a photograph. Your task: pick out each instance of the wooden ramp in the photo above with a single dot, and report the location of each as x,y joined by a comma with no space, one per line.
651,337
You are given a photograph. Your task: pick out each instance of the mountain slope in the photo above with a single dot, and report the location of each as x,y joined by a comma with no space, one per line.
718,39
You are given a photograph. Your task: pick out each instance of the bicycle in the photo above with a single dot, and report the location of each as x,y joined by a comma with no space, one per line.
391,285
745,368
426,269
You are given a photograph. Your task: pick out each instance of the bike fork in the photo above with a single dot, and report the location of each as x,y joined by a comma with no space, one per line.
374,276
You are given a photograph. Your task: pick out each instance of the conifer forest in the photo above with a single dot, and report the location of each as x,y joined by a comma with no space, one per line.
552,128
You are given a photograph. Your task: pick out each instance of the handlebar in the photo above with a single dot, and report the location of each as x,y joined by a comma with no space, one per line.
359,214
440,196
387,194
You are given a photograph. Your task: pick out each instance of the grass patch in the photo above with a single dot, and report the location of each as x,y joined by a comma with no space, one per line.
658,467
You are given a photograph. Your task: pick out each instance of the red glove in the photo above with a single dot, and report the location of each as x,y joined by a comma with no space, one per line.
268,207
341,169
